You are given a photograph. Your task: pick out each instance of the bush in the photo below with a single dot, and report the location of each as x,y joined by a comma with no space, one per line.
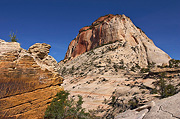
63,108
154,91
133,103
137,66
133,69
144,70
115,67
13,37
165,89
63,70
174,63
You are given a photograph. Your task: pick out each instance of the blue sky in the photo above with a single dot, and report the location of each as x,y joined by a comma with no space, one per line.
57,22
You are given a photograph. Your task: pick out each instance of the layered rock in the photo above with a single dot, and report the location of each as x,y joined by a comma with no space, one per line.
111,28
25,87
110,55
8,46
40,53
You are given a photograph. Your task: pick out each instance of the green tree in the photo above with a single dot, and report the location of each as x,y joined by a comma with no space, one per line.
63,108
162,86
165,89
13,37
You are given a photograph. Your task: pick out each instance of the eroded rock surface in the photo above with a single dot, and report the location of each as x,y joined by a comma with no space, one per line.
110,56
168,108
40,53
111,28
8,46
25,87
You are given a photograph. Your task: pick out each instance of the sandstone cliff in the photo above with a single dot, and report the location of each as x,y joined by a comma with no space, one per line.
27,84
111,28
109,56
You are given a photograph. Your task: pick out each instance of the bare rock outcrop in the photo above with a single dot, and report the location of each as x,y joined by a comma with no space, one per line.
167,108
111,28
8,46
40,53
112,55
39,50
25,87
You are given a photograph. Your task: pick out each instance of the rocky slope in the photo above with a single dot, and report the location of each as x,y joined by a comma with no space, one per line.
28,83
167,108
111,28
112,55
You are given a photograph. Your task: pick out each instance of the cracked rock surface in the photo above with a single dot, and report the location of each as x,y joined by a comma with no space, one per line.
168,108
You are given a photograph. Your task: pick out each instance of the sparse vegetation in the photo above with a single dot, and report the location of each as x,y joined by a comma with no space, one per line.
13,37
63,70
63,108
133,69
118,105
164,89
174,63
72,69
133,103
115,67
91,52
154,91
121,61
109,61
144,70
151,65
137,66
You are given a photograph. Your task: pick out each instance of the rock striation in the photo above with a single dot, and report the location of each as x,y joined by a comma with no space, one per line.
26,86
111,28
40,53
113,55
8,46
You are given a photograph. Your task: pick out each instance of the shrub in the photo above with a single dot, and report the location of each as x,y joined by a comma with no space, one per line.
151,65
121,61
154,91
115,67
137,66
122,67
72,69
133,69
165,89
174,63
145,70
63,108
63,70
133,103
13,37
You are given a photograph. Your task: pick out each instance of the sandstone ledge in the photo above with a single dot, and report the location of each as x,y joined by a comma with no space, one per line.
25,89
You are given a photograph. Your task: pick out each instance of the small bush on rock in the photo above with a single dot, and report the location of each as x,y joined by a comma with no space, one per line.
13,37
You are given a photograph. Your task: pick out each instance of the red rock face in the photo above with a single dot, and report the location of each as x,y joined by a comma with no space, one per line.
88,38
111,28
